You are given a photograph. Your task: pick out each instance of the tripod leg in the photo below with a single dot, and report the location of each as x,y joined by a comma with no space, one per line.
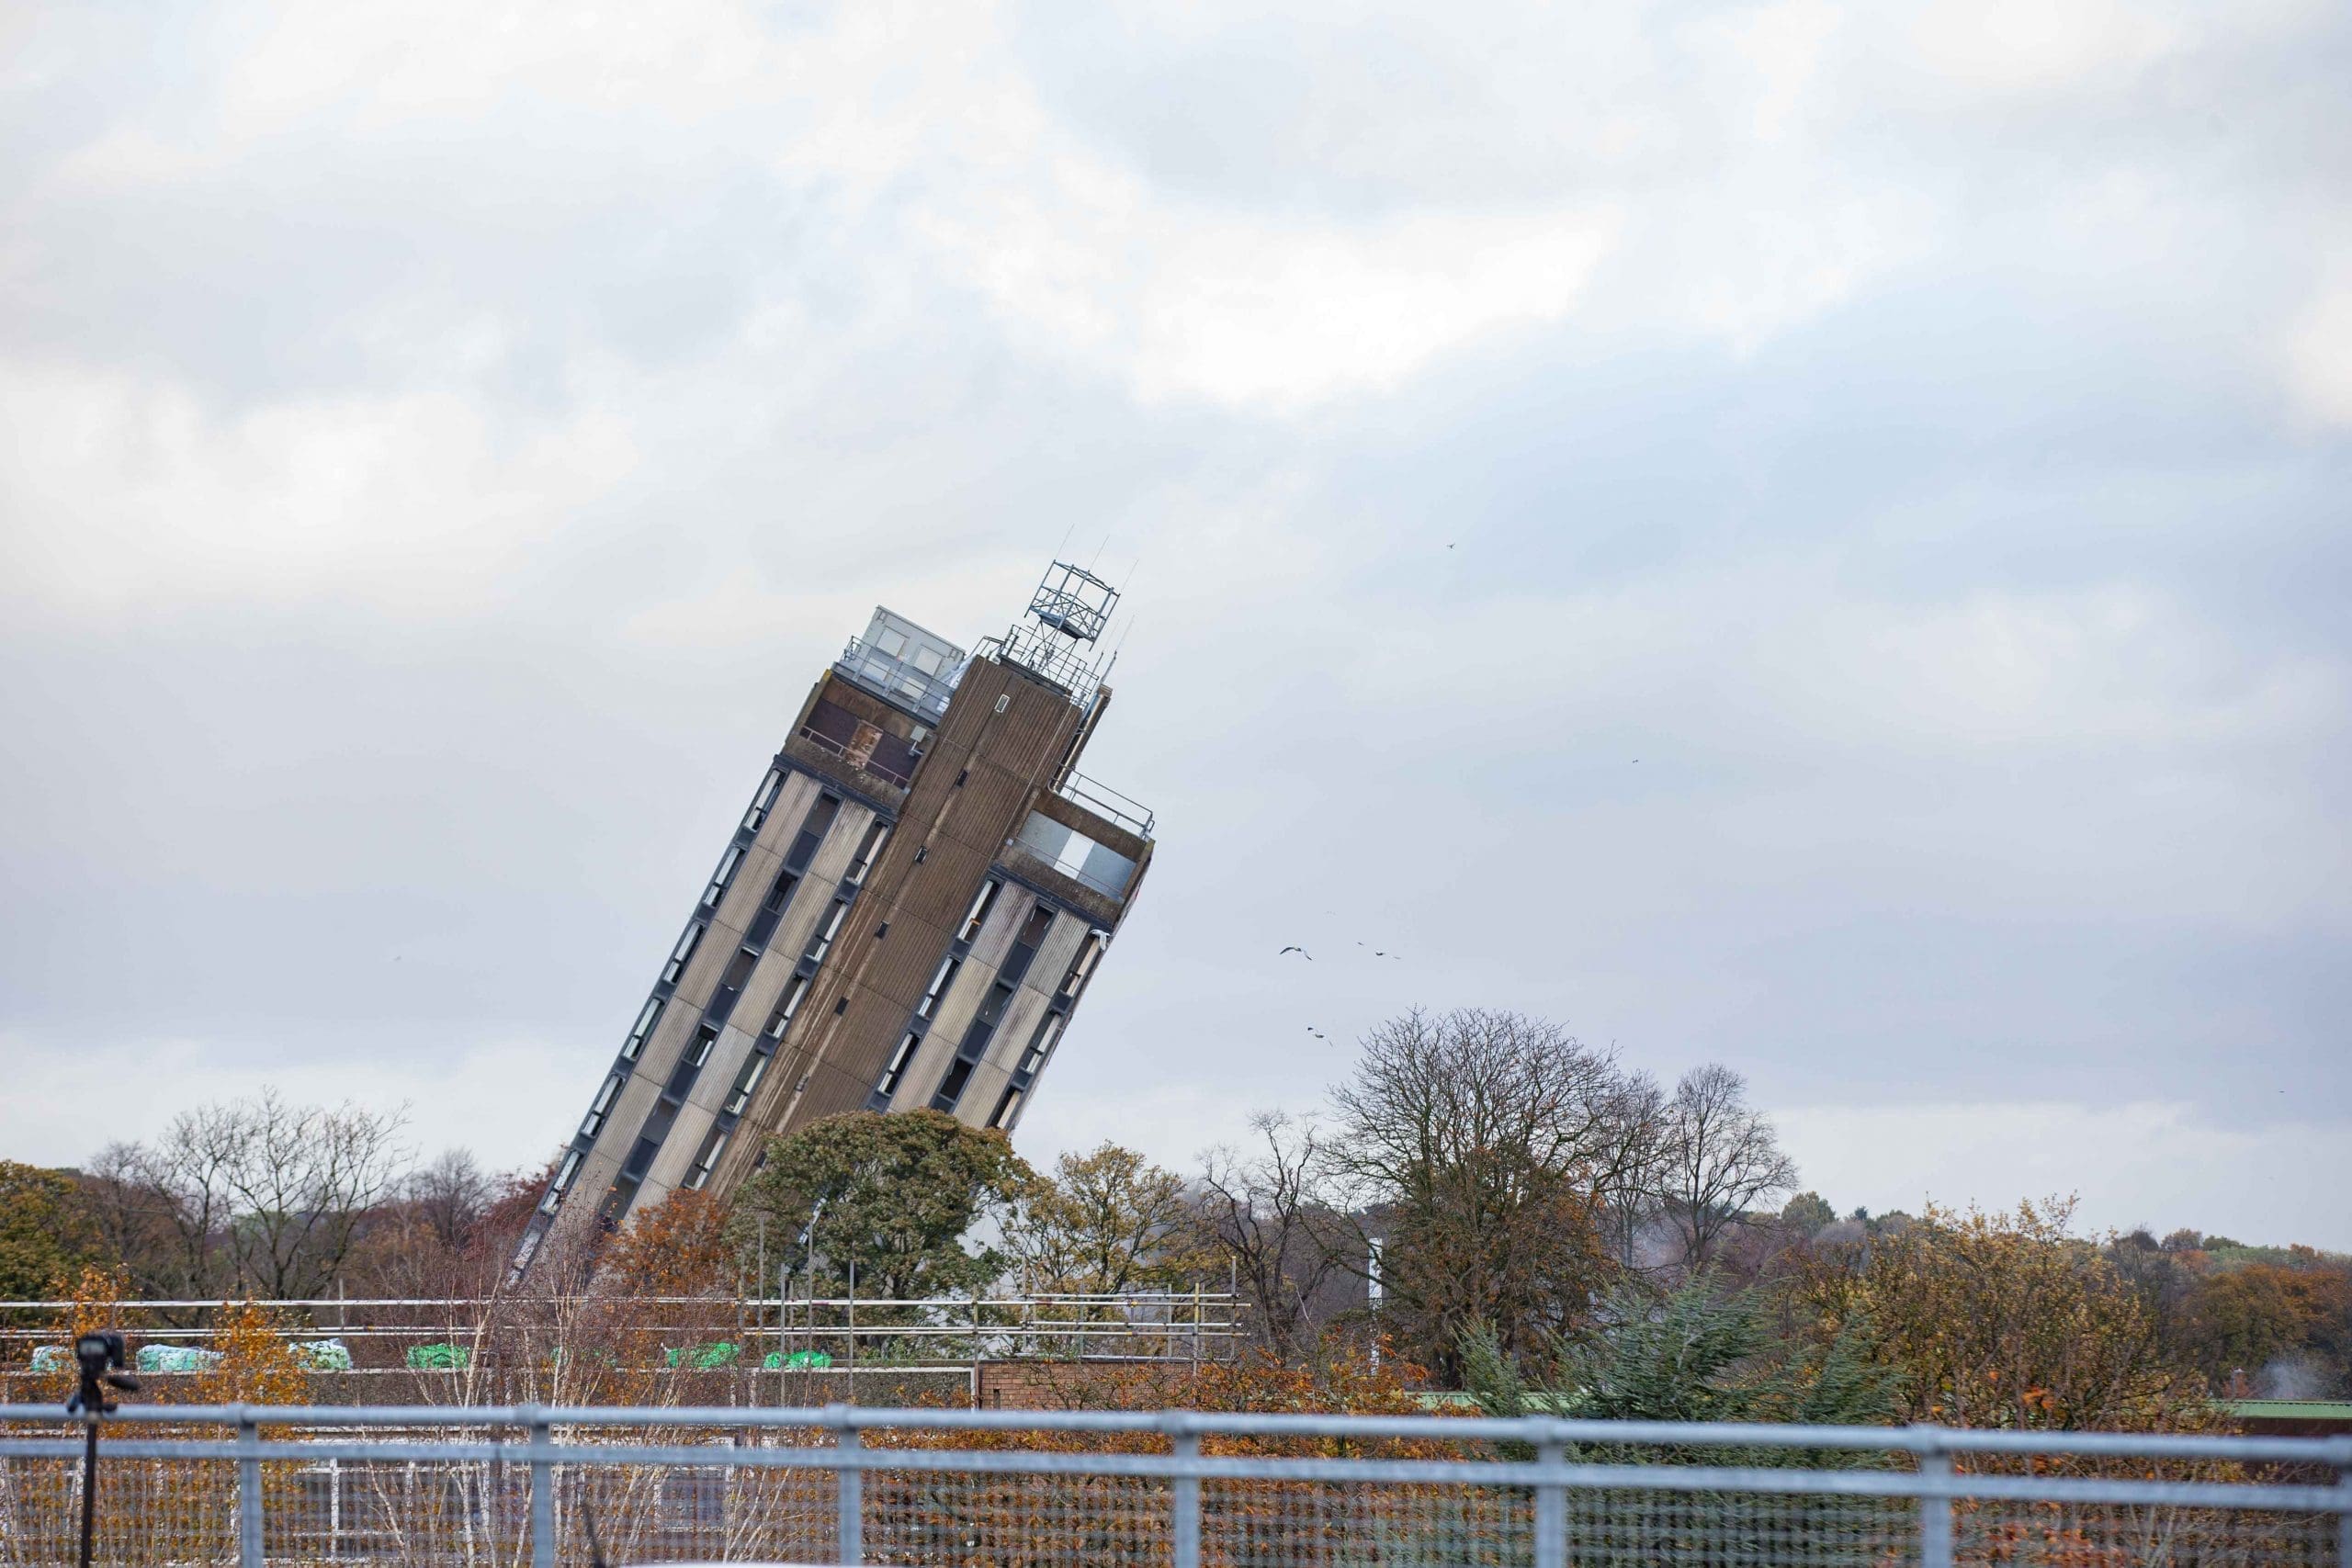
89,1489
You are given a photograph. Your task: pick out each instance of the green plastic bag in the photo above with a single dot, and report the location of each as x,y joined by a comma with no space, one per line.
799,1361
722,1353
439,1358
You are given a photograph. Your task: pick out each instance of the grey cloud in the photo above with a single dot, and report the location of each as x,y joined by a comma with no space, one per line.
1869,856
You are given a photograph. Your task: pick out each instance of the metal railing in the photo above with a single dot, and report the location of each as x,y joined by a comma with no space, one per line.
1107,803
894,680
846,1485
1176,1326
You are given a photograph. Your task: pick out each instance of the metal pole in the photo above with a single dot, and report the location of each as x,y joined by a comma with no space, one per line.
248,1491
89,1483
2343,1509
1184,1500
1551,1508
542,1489
849,1490
1935,1508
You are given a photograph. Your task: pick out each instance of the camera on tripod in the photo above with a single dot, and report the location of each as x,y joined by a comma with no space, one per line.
101,1355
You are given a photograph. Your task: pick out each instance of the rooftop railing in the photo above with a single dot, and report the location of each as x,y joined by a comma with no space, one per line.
1108,804
894,680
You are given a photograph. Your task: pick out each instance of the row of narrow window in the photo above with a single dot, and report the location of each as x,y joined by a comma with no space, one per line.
822,813
973,1048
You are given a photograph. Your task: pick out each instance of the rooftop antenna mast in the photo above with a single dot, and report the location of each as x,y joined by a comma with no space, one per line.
1058,639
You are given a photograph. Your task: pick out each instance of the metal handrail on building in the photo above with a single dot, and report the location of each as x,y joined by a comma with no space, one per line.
1179,1486
1107,803
894,680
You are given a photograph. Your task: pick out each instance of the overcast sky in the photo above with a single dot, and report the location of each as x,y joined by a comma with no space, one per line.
1805,536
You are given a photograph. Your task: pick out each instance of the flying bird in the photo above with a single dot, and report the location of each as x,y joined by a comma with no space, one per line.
1316,1032
1300,950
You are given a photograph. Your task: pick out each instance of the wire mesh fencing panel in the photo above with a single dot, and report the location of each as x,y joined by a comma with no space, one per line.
1022,1521
543,1488
150,1513
2051,1534
1314,1524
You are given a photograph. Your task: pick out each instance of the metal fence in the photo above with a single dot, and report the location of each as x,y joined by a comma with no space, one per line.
544,1486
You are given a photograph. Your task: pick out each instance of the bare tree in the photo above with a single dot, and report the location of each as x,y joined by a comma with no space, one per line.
265,1197
1287,1247
1487,1145
1722,1159
450,1197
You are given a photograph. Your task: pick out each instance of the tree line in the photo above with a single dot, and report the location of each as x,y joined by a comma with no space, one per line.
1485,1204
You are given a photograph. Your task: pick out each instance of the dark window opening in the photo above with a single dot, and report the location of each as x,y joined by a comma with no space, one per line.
1007,1106
1023,952
814,829
639,1157
951,1088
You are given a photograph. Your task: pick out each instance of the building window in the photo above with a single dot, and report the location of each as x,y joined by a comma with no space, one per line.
786,1005
563,1182
1007,1106
679,954
991,1011
1041,1045
939,984
819,822
771,909
823,940
1082,965
951,1088
707,1158
897,1071
976,915
731,982
645,1021
722,876
764,801
877,834
699,1051
1024,950
597,1108
754,1069
639,1157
